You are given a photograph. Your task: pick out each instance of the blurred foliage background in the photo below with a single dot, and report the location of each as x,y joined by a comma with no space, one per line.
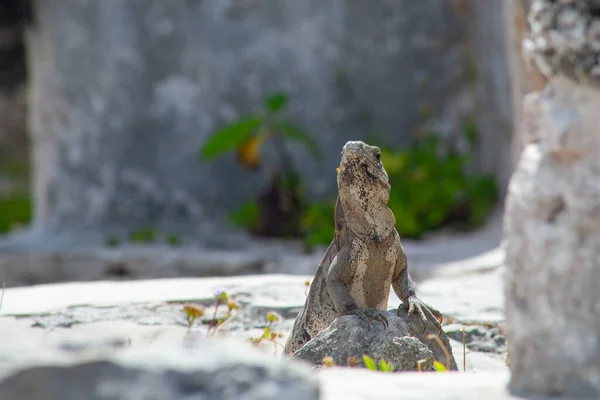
436,181
432,185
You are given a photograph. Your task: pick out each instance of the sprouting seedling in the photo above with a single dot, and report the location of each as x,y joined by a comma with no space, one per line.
369,363
445,350
231,306
192,312
268,333
273,317
384,366
421,361
328,362
222,298
439,367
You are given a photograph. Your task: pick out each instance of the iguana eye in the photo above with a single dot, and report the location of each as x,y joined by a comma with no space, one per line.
378,156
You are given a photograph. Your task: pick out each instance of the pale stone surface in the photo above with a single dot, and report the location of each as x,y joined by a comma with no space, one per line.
214,369
82,322
272,289
125,305
477,297
347,383
552,225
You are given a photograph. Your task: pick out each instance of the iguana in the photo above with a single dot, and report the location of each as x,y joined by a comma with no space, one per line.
365,257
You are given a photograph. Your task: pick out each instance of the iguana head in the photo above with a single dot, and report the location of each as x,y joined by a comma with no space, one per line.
364,191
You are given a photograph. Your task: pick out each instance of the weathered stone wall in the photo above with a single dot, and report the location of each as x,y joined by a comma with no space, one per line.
13,132
552,220
123,93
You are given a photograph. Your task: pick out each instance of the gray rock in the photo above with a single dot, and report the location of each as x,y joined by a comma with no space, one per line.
478,338
212,369
552,243
349,336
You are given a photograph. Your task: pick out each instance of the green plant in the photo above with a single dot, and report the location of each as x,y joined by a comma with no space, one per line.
15,210
278,210
192,312
439,367
384,366
144,235
269,333
195,311
112,242
173,240
431,187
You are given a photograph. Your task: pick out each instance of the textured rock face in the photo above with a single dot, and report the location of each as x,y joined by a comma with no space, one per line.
401,343
552,247
124,93
552,222
564,38
212,370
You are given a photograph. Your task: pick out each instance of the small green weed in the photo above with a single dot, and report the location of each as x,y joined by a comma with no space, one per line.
269,333
384,366
353,361
15,210
145,235
149,235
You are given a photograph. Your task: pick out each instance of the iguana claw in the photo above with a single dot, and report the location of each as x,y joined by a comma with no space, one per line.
369,314
425,311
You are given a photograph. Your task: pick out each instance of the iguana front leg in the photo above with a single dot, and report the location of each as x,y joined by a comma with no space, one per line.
339,292
405,290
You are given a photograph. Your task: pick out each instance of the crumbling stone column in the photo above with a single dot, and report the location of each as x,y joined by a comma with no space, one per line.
552,217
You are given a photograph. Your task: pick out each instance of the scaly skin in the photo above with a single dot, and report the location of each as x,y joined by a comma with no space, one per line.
365,257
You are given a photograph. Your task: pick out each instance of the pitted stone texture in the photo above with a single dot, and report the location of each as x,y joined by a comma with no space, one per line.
401,343
564,39
552,244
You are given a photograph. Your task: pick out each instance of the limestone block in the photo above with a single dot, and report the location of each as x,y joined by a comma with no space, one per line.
552,243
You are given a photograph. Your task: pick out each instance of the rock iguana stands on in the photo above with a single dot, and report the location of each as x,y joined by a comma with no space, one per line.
365,257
